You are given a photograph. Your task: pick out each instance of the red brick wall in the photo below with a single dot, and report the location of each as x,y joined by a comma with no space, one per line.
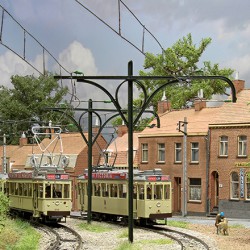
176,169
225,166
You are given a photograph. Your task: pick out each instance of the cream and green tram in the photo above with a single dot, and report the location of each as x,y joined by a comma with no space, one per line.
3,178
46,196
152,195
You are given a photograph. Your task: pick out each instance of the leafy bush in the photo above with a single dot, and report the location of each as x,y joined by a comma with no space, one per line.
4,208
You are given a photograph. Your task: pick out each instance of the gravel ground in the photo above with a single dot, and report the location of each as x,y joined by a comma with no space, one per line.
239,231
238,239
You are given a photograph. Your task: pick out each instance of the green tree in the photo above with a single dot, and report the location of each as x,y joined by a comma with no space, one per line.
182,59
24,104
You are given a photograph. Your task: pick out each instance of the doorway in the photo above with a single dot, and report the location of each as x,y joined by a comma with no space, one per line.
214,191
177,195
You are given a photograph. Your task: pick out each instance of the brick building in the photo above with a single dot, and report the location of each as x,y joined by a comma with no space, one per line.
217,175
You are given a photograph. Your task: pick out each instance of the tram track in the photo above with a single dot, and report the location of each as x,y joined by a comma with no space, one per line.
184,240
60,237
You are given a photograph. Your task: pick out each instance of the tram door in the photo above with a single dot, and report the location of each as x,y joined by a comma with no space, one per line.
35,196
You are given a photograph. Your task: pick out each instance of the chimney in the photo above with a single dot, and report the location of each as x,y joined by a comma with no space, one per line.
23,140
163,106
95,129
122,129
199,104
239,85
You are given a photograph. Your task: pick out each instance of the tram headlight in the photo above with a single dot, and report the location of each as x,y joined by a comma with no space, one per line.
57,203
158,204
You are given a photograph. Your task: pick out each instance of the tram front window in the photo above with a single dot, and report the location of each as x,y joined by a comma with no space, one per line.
47,191
158,192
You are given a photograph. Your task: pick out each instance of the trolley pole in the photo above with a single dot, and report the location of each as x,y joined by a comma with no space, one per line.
90,144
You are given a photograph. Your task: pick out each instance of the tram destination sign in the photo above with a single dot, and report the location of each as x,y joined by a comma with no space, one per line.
158,178
21,175
116,176
57,176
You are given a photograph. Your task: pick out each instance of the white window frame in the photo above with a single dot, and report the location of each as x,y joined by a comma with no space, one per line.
178,152
242,145
161,152
235,186
144,152
194,189
195,152
223,146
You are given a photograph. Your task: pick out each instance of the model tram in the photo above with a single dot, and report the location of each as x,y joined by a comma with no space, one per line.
151,196
46,196
44,192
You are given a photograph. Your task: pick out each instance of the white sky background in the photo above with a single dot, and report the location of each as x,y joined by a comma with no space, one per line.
79,41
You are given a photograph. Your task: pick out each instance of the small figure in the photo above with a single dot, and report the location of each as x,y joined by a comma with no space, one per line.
219,217
223,226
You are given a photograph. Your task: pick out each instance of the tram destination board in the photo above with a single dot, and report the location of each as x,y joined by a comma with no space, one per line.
20,175
57,176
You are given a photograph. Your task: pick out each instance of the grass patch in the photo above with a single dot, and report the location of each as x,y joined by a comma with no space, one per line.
181,224
128,246
19,235
96,228
140,244
157,241
124,234
236,226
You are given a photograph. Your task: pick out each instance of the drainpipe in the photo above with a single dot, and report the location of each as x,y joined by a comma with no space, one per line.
207,138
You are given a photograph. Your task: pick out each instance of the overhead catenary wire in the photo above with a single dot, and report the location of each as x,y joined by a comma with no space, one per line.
119,31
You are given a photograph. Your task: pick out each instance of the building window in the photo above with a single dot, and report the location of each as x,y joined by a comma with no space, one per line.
223,146
195,189
194,152
144,152
161,152
242,145
178,152
234,185
248,185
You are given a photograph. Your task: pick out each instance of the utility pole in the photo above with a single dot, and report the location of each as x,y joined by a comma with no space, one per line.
4,165
184,181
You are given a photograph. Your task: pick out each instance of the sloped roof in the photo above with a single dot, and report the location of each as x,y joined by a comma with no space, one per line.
199,121
73,143
121,143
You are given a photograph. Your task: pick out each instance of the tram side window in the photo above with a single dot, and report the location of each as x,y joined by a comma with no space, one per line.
105,192
29,189
66,192
12,188
120,190
113,189
124,190
25,189
141,192
97,189
20,188
167,192
16,188
158,192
